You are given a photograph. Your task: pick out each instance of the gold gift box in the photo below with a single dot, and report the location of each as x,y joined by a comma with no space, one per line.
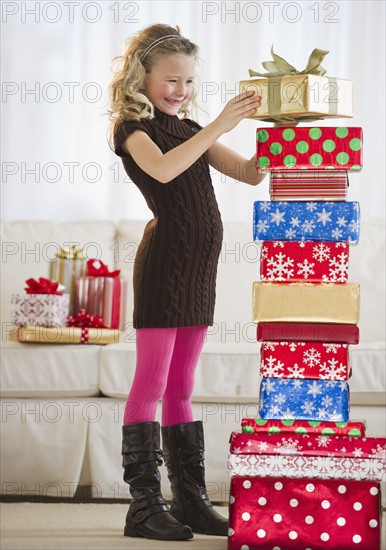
38,334
301,97
306,302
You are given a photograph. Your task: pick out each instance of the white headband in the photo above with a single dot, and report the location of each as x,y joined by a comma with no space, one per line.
158,41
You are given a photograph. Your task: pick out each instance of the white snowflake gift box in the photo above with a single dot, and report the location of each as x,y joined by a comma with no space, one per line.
306,221
43,304
308,455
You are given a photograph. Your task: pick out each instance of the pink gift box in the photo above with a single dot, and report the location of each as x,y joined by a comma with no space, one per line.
105,297
273,513
40,309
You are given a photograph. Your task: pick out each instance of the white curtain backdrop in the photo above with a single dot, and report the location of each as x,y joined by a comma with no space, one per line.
56,67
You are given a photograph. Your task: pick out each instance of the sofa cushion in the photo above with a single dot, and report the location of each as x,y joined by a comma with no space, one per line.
229,372
43,370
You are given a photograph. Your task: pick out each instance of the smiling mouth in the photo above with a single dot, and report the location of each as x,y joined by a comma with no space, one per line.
173,101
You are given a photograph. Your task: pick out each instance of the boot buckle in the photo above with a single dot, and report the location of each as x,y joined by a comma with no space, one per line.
139,516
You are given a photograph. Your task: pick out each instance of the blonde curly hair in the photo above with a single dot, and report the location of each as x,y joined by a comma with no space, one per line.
139,54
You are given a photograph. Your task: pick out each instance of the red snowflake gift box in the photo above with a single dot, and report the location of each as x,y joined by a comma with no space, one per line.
323,148
292,514
304,261
308,185
337,333
354,428
305,360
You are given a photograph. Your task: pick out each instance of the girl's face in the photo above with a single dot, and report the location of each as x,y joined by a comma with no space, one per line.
170,82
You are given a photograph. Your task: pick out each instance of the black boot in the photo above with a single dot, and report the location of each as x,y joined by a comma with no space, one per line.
183,450
148,515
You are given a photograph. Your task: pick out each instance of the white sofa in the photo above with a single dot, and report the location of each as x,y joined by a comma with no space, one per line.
62,405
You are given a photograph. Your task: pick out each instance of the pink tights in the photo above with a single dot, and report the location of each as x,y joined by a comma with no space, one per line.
166,361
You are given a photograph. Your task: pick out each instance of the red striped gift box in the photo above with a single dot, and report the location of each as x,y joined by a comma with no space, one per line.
308,185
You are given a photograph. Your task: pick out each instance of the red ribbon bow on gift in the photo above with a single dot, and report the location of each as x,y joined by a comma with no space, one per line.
42,286
85,320
96,268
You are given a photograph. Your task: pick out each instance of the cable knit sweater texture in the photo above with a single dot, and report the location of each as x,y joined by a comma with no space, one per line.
176,262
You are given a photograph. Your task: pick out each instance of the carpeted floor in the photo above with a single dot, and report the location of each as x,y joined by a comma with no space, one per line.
59,526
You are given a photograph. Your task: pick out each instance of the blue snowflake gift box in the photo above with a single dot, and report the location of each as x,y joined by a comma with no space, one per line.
306,221
304,399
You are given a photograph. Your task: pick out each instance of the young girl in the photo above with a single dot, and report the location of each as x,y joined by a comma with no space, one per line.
167,155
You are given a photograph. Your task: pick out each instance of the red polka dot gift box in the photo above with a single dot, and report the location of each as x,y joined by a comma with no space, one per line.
285,514
324,148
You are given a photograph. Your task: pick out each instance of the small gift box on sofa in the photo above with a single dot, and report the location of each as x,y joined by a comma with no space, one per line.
288,94
43,304
304,399
103,293
303,513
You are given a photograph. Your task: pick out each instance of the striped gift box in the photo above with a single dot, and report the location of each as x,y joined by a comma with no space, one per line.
307,185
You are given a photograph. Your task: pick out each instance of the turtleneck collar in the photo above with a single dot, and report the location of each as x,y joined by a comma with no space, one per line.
172,124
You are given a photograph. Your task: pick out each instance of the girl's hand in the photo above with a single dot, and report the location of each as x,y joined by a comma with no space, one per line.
241,106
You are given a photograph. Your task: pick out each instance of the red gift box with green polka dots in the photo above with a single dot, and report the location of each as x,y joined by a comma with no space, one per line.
294,514
322,148
353,428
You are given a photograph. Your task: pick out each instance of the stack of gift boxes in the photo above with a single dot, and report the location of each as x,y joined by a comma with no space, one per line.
304,475
80,303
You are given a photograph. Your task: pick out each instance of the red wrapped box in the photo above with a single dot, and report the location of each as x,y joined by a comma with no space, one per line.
323,148
305,360
102,293
334,333
308,185
273,513
354,428
304,261
309,445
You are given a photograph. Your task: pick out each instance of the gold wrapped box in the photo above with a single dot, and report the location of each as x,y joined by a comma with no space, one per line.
301,97
38,334
306,302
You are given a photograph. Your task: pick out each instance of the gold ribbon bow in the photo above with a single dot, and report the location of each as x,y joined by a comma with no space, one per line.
280,67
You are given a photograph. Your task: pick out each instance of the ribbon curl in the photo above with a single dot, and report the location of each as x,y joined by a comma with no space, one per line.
96,268
85,320
280,67
42,286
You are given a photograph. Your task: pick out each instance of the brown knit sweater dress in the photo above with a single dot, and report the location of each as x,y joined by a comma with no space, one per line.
176,262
